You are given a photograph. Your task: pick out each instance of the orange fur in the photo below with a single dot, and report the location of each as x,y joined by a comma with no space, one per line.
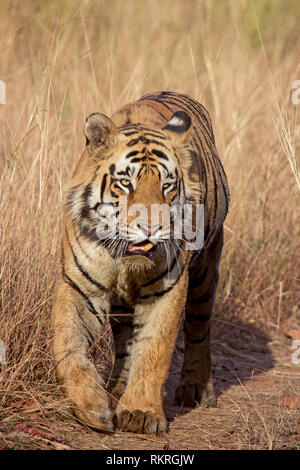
143,298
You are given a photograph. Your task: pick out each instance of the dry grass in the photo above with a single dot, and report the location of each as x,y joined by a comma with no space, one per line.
61,63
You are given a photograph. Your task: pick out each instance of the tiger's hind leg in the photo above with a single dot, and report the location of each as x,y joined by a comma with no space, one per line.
196,385
75,329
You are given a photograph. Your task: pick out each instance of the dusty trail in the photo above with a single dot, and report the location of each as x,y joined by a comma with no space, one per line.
257,386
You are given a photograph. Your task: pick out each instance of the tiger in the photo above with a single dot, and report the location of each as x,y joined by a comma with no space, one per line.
142,280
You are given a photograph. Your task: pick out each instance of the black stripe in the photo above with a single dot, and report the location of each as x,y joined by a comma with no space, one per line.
140,170
81,268
86,194
154,109
70,196
209,159
129,127
220,171
113,194
200,161
146,141
122,355
159,294
156,142
132,154
130,133
154,134
165,167
166,271
157,97
132,142
160,154
103,186
137,327
80,246
75,287
146,130
138,159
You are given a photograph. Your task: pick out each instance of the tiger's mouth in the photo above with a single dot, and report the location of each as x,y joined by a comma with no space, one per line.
144,248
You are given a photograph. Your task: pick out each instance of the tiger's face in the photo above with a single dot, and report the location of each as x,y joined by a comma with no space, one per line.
135,186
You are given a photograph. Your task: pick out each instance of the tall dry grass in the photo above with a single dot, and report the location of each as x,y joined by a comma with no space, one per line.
62,61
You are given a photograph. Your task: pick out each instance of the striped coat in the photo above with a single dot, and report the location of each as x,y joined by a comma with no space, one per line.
156,152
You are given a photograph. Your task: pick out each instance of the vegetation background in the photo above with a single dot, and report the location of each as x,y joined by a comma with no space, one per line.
61,61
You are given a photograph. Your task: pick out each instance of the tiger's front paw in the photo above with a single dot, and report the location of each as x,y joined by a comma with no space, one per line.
142,422
192,395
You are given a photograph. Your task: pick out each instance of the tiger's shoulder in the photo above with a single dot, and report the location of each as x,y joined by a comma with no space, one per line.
156,109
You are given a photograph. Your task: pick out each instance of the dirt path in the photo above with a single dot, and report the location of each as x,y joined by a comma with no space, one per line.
257,386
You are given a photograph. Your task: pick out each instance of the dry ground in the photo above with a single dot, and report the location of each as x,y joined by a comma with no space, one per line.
255,382
63,61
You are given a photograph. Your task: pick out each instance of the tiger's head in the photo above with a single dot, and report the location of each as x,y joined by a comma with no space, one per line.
130,184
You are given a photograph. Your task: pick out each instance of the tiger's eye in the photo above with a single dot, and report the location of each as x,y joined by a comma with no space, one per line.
125,182
166,186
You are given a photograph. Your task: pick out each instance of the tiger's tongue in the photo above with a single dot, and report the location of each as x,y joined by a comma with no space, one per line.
144,246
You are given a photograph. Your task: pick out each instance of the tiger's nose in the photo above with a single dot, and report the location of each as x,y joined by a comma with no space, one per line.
149,229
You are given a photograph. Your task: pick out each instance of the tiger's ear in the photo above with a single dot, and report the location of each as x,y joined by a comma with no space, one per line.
179,126
99,129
